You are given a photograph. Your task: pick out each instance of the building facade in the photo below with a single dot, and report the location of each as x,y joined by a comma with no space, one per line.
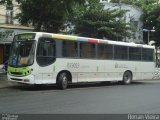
8,12
8,28
132,16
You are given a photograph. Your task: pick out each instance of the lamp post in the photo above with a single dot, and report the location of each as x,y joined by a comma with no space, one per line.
146,30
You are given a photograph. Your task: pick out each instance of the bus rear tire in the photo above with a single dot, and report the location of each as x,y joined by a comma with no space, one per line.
127,78
62,80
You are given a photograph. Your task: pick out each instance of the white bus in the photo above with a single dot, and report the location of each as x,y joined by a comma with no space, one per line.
46,58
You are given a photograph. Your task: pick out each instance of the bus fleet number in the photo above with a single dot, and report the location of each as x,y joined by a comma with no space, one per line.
72,65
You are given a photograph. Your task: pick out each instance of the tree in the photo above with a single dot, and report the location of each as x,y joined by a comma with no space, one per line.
150,17
5,34
45,15
151,21
88,16
92,20
6,2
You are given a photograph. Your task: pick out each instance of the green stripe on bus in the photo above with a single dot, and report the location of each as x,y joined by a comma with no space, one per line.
54,68
97,68
71,37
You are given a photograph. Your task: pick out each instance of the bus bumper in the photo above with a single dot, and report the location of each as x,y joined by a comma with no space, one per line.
25,79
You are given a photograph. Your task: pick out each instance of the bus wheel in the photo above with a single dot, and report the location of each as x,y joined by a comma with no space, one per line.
62,81
127,77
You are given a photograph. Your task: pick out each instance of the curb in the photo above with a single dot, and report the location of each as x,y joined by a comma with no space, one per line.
3,82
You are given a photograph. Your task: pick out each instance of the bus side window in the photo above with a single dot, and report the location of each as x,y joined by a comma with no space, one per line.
46,52
105,51
120,52
70,49
101,51
134,53
147,54
87,50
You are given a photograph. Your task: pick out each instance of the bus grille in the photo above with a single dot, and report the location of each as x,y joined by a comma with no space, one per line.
16,73
16,79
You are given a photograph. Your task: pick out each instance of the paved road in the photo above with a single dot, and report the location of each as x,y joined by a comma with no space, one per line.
138,97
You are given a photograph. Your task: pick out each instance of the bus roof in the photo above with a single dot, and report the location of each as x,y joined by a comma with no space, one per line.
91,40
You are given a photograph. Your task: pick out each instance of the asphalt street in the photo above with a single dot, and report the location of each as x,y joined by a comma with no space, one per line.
107,98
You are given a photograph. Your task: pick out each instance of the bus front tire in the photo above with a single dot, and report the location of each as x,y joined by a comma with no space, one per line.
62,81
127,78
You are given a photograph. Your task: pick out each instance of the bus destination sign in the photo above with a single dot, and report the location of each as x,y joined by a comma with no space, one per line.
27,36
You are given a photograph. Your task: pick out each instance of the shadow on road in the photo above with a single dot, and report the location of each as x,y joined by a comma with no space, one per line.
71,86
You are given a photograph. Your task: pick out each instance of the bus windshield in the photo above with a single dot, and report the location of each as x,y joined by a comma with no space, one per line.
22,53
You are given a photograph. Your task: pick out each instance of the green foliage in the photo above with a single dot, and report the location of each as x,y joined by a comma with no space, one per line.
88,16
144,4
153,20
6,2
150,15
93,21
5,34
45,15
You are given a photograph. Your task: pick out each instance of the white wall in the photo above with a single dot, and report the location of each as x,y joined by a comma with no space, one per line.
3,12
133,16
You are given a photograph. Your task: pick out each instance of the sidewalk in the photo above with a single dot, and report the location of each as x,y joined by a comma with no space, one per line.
3,81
